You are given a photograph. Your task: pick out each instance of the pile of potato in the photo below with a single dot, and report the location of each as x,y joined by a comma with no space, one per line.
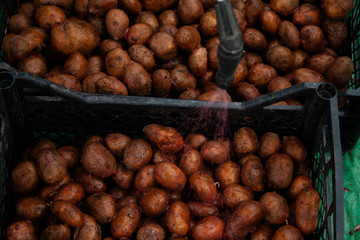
168,48
166,187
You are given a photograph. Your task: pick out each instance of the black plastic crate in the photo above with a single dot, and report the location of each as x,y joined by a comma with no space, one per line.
30,118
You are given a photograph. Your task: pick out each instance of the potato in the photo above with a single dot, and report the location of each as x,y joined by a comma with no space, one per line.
48,17
117,22
137,154
252,174
24,177
275,208
71,155
246,216
241,72
20,230
123,177
22,45
74,35
91,184
182,78
139,33
178,218
214,152
154,202
6,48
141,54
126,221
167,139
306,210
35,64
39,146
245,141
190,94
101,206
169,29
302,75
277,84
276,164
228,173
90,230
280,57
204,186
151,231
215,95
67,81
195,141
289,34
76,65
131,6
26,9
299,59
201,210
240,5
269,144
56,232
48,191
65,4
116,62
212,57
198,61
95,65
312,39
284,7
126,201
72,193
107,45
110,85
51,166
208,24
160,156
246,91
337,9
161,83
241,19
260,75
211,228
320,62
235,194
262,232
145,178
148,18
116,143
287,232
294,148
269,21
254,40
117,193
68,213
298,184
335,32
340,71
190,162
306,14
99,24
190,11
31,208
253,10
88,84
168,17
164,46
159,5
19,22
170,176
188,38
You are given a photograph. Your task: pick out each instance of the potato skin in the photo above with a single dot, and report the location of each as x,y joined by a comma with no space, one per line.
260,75
76,65
269,21
90,230
280,57
150,231
228,173
204,186
95,65
117,22
116,143
148,18
276,164
247,91
306,14
340,71
164,46
68,213
289,35
294,148
190,162
269,144
26,9
297,185
302,75
126,221
161,83
56,232
35,64
141,54
101,206
137,154
190,11
254,40
337,9
252,58
335,32
168,17
312,39
116,62
107,45
194,141
67,81
48,17
178,218
208,24
201,210
299,59
71,155
277,84
214,152
211,228
320,62
137,80
19,22
24,177
154,202
145,178
198,62
72,193
287,232
20,230
306,210
235,194
167,139
91,184
88,84
51,166
284,7
275,208
188,38
245,141
169,29
182,78
31,208
262,232
123,177
122,202
110,85
170,176
139,33
253,9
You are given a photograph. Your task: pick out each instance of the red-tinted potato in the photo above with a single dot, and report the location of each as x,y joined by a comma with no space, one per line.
88,84
279,171
20,230
107,45
71,155
320,62
178,218
204,186
91,184
95,65
123,177
110,85
48,191
235,194
141,54
170,176
306,14
89,230
26,9
299,59
68,213
277,84
67,81
166,138
194,141
269,144
117,193
312,39
190,94
151,231
214,152
126,221
302,75
252,174
245,141
145,178
51,166
340,71
101,206
72,193
160,156
228,173
48,17
169,29
117,143
335,32
262,232
211,228
208,24
19,22
154,202
168,17
126,201
31,208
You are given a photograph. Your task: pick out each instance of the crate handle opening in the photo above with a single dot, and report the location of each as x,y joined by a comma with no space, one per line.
6,80
326,91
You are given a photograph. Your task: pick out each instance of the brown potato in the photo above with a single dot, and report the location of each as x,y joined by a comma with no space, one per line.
201,210
161,83
20,230
169,29
99,24
335,32
277,84
228,173
110,85
254,40
275,208
204,186
91,184
117,193
6,48
160,5
35,64
48,191
39,146
137,154
126,201
337,9
168,17
279,171
95,65
141,54
320,62
287,232
98,160
190,162
215,95
131,6
294,148
72,193
340,71
90,230
190,11
195,141
48,17
330,51
107,45
246,216
170,176
262,232
284,7
19,22
126,221
74,35
137,80
116,62
306,210
306,14
188,38
289,34
51,166
123,177
22,45
247,91
269,21
76,65
67,81
269,144
241,72
71,155
167,139
302,75
68,213
178,218
56,232
260,75
164,46
245,141
150,231
208,24
252,58
145,178
24,177
298,184
101,206
117,22
211,228
139,33
26,9
148,18
160,156
31,208
212,57
312,39
182,78
88,84
252,174
253,10
280,57
154,202
214,152
299,59
198,61
116,143
235,194
190,94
